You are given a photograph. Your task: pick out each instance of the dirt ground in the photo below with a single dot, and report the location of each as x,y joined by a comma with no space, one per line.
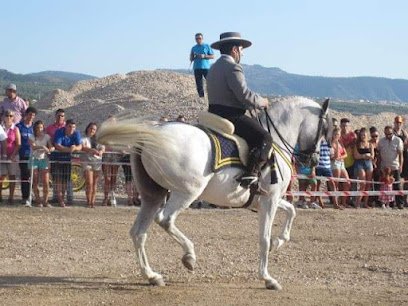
78,256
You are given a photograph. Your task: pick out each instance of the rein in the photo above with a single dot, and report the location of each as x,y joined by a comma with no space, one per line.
290,149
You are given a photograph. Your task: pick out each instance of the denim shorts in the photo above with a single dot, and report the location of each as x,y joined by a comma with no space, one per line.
362,164
40,164
324,172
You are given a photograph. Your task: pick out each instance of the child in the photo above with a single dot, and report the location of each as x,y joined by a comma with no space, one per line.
386,185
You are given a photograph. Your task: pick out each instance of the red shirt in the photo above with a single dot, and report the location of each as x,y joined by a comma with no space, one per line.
348,139
52,128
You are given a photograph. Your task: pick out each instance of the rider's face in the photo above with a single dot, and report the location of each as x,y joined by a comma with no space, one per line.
238,53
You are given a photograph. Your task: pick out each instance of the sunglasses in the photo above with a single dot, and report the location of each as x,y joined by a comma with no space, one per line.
374,136
8,116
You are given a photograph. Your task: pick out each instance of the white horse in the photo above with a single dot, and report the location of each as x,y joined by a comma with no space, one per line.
176,157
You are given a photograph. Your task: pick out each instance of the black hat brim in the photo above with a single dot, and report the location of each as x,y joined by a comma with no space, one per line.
242,42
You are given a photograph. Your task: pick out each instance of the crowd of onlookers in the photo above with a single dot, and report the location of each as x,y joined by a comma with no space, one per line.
365,160
40,154
31,148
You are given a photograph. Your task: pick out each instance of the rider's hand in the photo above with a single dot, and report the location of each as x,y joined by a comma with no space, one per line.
264,103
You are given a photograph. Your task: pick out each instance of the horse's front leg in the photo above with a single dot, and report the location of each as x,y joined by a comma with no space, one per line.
267,212
290,212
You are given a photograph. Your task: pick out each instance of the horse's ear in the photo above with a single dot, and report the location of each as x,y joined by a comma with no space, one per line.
325,106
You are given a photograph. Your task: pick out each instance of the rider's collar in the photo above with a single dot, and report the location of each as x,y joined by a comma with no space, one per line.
229,57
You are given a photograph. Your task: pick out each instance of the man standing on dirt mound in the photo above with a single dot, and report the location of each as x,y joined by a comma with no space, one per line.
201,54
230,97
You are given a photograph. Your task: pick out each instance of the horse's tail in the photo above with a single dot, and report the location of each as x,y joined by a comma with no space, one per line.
137,136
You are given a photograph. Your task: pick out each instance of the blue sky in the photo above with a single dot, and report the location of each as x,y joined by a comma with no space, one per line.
315,37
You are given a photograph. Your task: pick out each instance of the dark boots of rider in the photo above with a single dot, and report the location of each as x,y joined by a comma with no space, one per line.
252,170
257,158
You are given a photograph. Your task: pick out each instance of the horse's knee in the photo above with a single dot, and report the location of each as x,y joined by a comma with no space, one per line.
165,223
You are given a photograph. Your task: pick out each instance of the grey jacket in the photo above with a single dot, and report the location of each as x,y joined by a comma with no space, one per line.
226,85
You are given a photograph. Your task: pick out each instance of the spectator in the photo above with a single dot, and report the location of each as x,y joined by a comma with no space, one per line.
110,168
4,158
348,139
92,162
390,149
14,103
13,142
324,169
304,184
26,131
376,164
401,133
66,141
59,122
133,197
363,167
41,146
337,154
200,54
387,180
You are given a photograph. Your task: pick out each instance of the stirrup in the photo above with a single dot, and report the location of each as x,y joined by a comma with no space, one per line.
248,180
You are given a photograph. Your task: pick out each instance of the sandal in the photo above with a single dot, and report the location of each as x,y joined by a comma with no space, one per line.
105,202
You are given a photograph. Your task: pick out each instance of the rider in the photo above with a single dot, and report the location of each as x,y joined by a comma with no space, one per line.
230,97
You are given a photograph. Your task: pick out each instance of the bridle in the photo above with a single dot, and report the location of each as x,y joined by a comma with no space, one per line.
310,156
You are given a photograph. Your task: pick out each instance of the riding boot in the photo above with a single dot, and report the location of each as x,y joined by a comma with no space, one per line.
251,175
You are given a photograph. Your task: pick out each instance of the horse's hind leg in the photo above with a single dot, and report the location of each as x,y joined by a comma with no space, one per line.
152,197
166,218
284,236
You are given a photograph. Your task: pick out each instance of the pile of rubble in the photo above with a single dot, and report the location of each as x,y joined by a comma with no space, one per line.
147,94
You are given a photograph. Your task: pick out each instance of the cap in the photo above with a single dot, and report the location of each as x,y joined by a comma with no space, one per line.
399,119
11,86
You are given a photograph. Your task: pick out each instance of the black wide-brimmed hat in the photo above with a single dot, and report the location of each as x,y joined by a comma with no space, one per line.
231,37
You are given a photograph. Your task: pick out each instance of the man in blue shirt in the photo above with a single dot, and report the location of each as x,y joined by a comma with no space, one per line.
201,54
66,141
25,127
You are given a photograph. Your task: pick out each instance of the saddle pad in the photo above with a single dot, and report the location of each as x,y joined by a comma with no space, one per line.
224,128
224,152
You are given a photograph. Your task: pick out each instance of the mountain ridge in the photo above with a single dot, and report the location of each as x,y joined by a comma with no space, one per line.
270,81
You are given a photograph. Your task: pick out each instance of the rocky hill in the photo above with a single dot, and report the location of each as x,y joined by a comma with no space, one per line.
146,94
34,85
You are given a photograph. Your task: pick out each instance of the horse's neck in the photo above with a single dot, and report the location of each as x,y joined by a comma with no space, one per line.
287,127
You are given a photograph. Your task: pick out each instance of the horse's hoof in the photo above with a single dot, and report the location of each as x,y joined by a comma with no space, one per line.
276,244
157,281
273,285
188,261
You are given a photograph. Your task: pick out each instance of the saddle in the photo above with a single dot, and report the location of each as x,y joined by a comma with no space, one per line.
223,132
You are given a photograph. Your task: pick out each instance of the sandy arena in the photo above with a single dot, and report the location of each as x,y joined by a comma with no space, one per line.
77,256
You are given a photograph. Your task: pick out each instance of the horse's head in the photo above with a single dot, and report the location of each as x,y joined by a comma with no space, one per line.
310,134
